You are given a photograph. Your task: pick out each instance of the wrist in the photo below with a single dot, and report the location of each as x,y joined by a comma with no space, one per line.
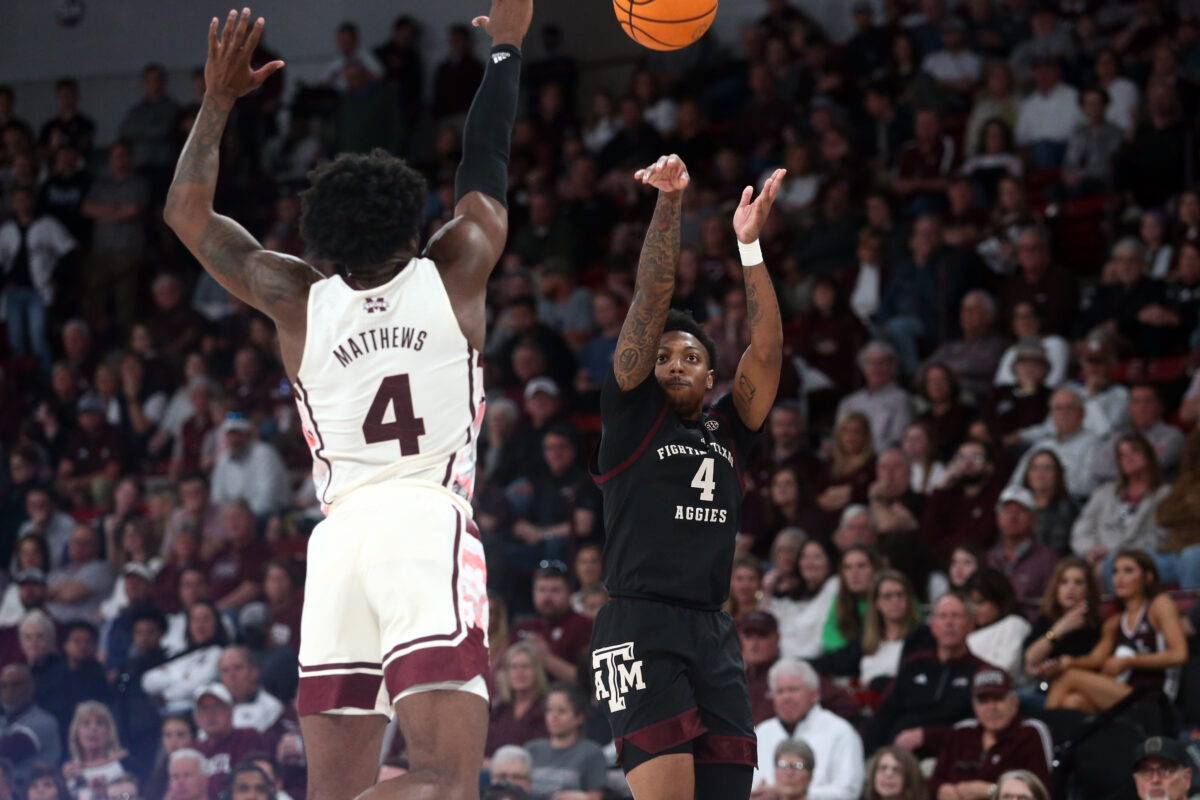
751,253
223,100
505,41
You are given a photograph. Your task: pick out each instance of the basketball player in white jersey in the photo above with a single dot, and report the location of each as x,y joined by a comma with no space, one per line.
384,357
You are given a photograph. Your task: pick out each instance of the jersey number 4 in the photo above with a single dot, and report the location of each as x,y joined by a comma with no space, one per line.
704,480
406,427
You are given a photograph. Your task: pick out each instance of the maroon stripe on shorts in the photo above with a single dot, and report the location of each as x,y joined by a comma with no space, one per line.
321,693
670,732
438,664
343,665
713,749
458,532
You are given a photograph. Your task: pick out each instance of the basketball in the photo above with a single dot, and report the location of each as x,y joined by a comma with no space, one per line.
665,24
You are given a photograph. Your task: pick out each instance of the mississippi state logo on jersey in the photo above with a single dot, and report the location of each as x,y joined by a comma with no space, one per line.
373,304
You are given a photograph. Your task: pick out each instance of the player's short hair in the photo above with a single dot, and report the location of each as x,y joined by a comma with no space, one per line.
684,321
362,208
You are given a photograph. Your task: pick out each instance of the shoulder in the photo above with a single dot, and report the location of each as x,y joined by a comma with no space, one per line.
1162,606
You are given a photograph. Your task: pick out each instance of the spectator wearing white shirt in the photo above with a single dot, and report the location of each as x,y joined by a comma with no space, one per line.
1048,116
1123,96
837,748
1065,435
30,248
955,68
253,706
349,50
885,404
249,469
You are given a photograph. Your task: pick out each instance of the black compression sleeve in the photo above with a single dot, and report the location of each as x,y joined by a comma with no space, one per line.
487,134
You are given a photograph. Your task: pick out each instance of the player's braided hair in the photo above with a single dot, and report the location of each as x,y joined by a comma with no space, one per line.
684,321
362,208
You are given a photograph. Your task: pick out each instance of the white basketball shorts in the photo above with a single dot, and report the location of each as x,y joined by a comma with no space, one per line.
395,602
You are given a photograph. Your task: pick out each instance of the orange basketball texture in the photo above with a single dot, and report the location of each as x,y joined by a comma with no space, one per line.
665,24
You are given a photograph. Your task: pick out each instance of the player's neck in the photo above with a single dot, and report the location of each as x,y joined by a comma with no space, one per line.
373,275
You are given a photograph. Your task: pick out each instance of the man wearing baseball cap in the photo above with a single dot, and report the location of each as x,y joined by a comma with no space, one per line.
996,740
223,745
759,635
1162,769
1027,563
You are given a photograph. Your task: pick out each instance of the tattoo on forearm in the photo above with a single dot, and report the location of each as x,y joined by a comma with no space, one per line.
655,284
200,158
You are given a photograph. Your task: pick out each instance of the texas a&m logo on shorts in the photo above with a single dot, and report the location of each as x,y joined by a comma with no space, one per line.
616,674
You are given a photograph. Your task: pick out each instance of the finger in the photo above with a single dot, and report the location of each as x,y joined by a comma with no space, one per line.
747,193
212,37
684,179
637,176
266,71
255,34
239,34
227,33
481,22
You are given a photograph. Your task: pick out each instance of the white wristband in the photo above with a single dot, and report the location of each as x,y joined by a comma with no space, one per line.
751,253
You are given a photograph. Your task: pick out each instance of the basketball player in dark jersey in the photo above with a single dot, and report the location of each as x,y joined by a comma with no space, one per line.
667,665
362,215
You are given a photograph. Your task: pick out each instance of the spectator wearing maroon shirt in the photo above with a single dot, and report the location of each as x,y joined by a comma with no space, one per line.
174,325
236,570
519,711
996,740
557,632
962,509
1027,563
93,454
1050,287
759,635
924,165
187,451
223,745
284,596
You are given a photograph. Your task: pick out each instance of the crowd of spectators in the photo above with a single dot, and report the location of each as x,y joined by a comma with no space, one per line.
962,516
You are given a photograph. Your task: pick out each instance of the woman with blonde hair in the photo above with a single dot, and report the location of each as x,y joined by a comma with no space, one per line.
96,751
519,709
894,774
891,615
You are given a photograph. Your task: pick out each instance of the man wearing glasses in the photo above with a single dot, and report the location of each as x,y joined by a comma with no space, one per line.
559,633
123,787
794,764
1162,769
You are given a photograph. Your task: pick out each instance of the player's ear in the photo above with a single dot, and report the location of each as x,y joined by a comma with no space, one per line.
708,381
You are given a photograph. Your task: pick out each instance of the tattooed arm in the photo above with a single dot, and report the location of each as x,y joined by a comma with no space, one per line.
638,343
757,378
271,282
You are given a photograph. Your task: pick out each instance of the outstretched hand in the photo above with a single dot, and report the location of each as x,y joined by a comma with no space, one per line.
749,218
668,174
508,22
227,72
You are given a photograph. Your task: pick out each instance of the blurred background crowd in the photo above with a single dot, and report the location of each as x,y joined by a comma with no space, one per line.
971,522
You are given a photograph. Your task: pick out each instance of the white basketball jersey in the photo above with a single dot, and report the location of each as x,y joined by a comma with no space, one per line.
388,387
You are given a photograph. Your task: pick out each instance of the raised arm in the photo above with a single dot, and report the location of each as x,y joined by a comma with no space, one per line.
637,345
271,282
467,248
757,378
